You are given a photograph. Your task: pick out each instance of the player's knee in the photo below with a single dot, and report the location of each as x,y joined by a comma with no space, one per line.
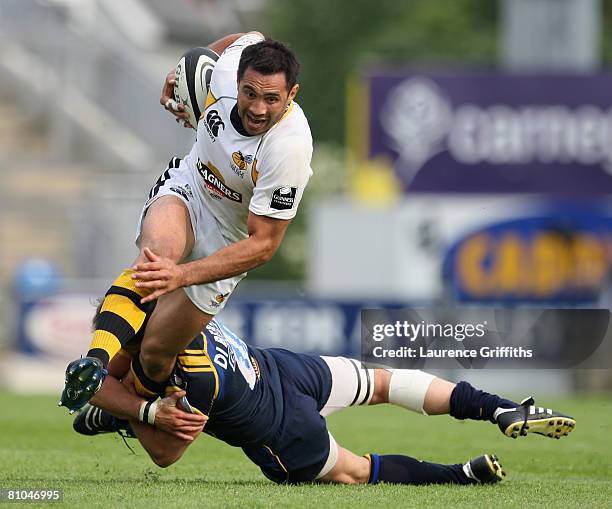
156,363
381,386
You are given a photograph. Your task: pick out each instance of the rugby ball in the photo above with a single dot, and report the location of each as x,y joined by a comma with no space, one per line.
193,74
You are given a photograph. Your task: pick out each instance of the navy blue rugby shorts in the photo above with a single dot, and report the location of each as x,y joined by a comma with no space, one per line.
300,448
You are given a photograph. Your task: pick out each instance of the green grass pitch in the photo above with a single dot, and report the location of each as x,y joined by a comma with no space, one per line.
38,449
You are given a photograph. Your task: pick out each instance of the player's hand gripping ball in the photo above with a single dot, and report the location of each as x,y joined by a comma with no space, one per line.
193,74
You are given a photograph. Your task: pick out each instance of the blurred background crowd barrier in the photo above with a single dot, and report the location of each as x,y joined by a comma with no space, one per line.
463,156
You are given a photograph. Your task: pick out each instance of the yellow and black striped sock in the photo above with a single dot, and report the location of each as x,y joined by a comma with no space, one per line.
121,317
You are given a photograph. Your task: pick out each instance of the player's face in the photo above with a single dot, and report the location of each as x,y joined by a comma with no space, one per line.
262,100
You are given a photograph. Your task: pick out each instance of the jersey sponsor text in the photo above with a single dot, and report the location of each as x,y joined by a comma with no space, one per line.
215,182
283,198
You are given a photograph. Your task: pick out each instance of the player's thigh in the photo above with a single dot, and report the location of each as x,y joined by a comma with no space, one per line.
172,326
167,229
348,469
352,384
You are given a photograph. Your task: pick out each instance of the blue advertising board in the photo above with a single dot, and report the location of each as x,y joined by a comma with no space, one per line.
561,253
322,326
492,132
59,326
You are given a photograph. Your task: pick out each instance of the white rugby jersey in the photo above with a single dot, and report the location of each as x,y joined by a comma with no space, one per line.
265,174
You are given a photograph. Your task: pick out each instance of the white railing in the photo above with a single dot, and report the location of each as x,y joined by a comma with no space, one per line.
96,76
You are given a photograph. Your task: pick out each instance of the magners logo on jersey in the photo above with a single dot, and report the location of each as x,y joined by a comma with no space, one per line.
216,183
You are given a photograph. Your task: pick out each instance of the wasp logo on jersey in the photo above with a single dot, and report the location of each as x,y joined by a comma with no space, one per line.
216,183
283,198
214,123
240,162
217,300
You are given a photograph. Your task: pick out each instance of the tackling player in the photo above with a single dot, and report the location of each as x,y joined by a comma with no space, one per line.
212,216
272,403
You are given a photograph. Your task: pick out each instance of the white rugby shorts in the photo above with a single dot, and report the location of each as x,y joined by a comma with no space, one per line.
177,180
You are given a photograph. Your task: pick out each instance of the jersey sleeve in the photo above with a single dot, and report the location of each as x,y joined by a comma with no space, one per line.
224,78
283,174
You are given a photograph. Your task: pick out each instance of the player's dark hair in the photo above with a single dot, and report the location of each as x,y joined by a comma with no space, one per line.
94,321
270,57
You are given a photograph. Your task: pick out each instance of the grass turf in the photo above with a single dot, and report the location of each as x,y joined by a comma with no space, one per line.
38,449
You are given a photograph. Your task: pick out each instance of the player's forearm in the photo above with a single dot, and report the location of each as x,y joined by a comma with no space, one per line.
163,448
230,261
150,439
220,45
116,399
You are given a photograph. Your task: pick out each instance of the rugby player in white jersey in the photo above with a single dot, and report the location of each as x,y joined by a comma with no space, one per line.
210,218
